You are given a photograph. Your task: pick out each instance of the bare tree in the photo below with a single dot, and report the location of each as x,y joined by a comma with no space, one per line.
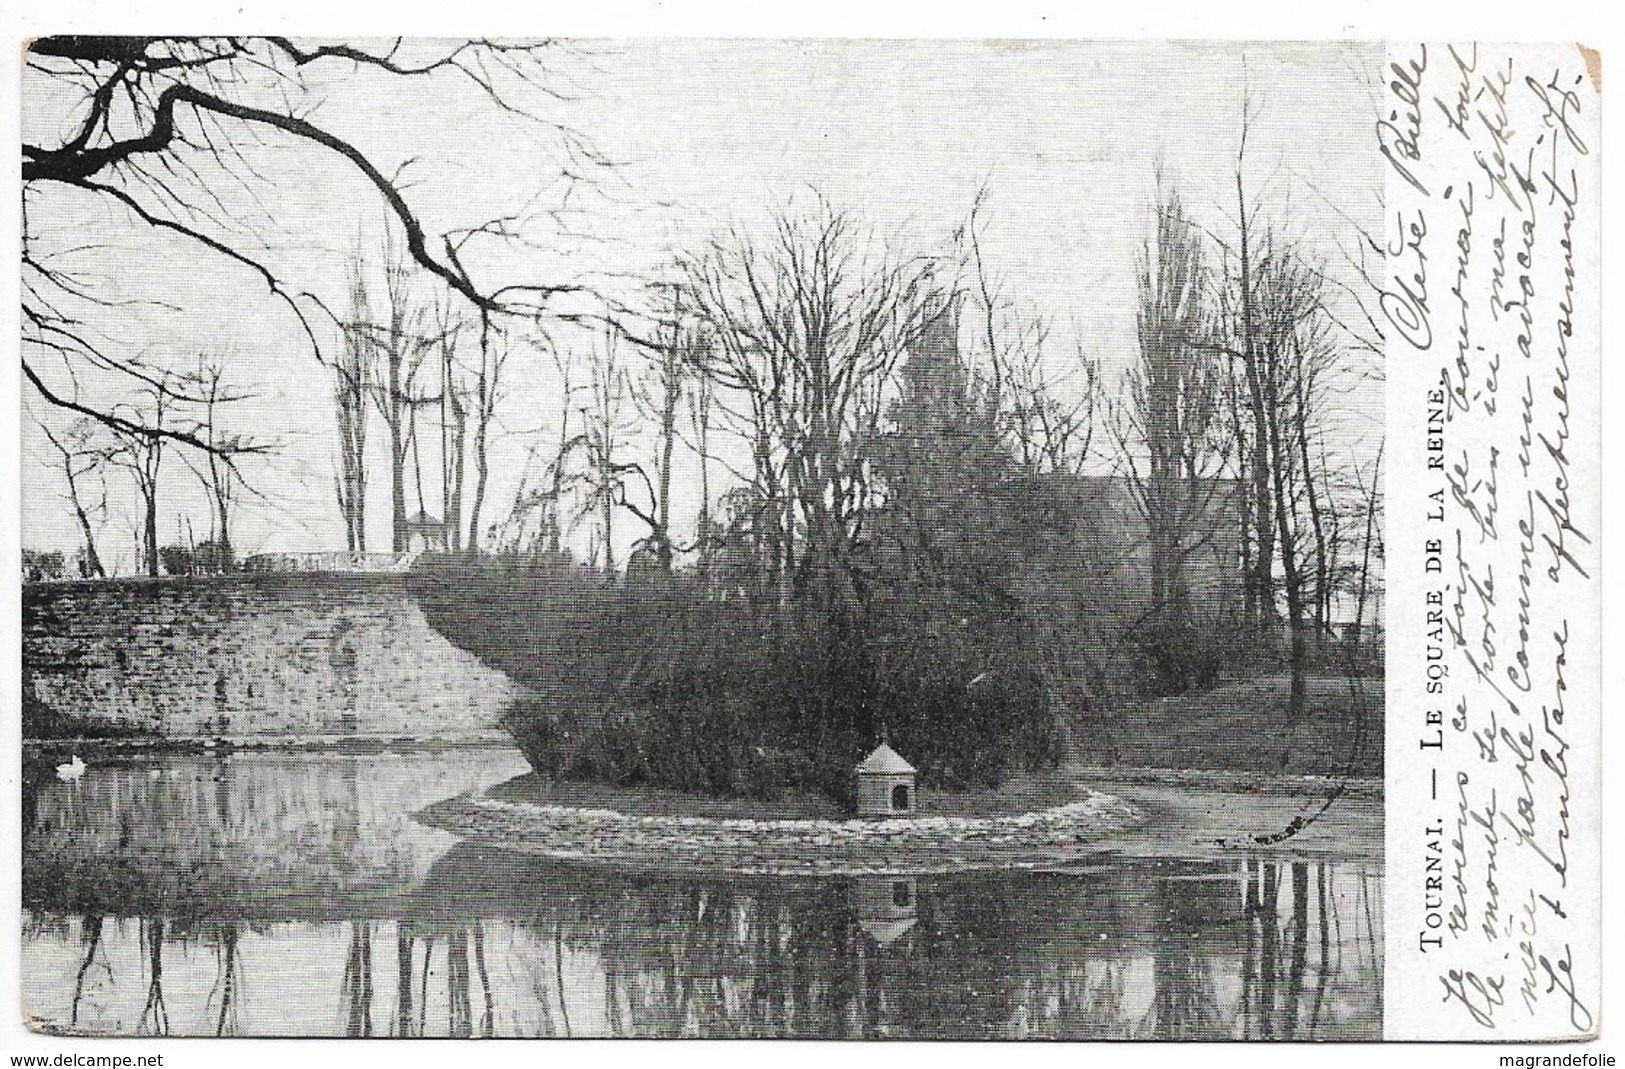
1283,346
805,326
169,133
493,355
675,367
217,464
1288,303
565,364
543,505
670,376
82,460
701,397
453,427
1283,343
400,346
352,386
1313,355
1169,429
1052,418
1260,582
1370,490
142,435
603,438
1048,419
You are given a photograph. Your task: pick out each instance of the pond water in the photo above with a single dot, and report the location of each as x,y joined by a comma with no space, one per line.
292,894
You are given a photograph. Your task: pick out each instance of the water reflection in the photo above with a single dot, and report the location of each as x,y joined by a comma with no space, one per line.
191,932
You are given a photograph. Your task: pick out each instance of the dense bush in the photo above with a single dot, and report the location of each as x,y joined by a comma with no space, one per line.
42,565
666,685
1180,658
959,678
177,559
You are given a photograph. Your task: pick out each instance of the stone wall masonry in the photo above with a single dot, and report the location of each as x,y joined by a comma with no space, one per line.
252,657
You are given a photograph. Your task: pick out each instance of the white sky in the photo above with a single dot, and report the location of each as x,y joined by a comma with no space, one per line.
706,134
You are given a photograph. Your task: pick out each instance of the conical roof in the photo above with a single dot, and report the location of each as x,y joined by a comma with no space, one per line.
885,761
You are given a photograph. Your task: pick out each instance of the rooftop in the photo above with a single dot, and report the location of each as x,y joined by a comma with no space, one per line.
885,761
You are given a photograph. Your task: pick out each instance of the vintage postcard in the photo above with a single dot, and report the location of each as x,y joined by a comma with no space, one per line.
936,539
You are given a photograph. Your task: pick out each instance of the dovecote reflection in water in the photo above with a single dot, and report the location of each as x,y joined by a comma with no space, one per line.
423,936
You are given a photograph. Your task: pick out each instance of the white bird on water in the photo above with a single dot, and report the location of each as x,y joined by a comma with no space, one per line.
71,771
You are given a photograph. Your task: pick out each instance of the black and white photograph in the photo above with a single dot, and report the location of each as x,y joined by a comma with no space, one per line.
776,538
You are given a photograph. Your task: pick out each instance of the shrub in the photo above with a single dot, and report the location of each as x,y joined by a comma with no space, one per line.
1180,658
177,559
665,685
42,564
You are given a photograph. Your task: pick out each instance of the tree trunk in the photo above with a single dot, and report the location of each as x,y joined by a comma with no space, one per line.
668,432
702,430
482,470
1244,508
1264,515
351,481
485,387
93,561
417,458
220,486
1365,558
225,559
555,529
1322,584
397,454
1264,580
151,530
352,394
1292,573
606,502
454,498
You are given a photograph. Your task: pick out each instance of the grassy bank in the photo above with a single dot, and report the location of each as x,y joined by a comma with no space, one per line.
1111,815
1024,792
1244,726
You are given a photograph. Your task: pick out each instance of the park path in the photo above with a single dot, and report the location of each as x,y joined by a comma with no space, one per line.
1190,815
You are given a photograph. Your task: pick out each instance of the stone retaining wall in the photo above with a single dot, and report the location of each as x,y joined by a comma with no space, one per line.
253,656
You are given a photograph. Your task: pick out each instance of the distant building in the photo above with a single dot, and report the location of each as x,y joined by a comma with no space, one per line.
325,563
425,534
1109,527
1088,536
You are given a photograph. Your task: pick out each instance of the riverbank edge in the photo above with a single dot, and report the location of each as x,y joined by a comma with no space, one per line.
855,847
165,745
1227,780
1154,815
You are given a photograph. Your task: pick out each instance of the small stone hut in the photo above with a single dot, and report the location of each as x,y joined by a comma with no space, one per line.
885,784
